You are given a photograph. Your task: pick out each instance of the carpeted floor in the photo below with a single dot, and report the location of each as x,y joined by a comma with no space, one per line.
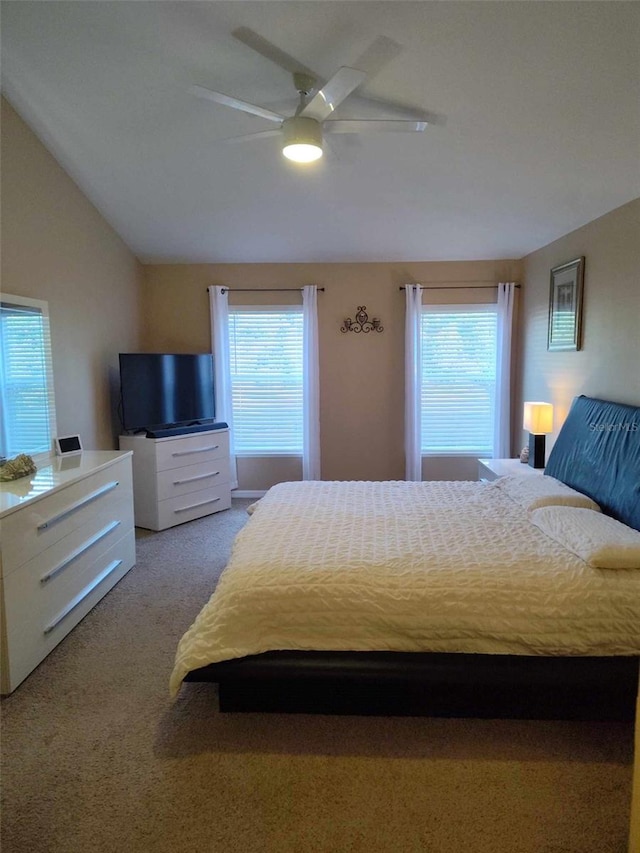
97,759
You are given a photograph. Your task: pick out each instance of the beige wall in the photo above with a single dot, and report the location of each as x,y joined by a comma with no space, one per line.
56,246
608,365
362,386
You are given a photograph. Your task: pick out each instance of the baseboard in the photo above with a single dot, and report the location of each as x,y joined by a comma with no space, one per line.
248,493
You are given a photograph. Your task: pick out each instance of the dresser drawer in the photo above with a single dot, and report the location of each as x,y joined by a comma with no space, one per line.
193,505
38,616
191,450
64,570
85,504
193,478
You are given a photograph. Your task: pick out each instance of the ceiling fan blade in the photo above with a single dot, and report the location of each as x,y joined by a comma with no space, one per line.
377,125
333,93
367,107
379,53
235,103
270,51
247,137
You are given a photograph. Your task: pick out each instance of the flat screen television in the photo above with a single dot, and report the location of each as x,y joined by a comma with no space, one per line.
166,390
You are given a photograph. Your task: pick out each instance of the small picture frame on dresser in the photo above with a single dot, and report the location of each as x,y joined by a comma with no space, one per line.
67,445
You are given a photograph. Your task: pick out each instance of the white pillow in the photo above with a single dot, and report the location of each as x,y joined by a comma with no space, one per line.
534,491
599,540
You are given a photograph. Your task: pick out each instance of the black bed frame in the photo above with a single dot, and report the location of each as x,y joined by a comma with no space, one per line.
428,684
601,462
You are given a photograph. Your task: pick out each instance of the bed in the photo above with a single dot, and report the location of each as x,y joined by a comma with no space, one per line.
517,598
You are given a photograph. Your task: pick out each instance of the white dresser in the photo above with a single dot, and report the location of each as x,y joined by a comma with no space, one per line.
179,478
491,469
67,537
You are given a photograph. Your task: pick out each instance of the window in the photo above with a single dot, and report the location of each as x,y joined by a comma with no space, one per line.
458,388
266,357
27,423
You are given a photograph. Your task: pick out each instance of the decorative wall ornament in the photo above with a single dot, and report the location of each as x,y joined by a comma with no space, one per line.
362,322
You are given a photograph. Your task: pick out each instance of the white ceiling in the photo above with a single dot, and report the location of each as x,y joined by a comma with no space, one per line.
536,109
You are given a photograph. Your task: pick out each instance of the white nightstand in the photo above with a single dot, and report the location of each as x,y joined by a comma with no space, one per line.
491,469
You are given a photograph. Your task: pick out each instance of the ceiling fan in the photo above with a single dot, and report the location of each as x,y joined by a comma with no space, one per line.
302,133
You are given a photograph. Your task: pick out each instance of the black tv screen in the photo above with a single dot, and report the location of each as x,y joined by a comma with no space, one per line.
165,389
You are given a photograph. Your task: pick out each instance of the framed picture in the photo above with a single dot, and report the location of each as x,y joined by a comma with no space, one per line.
565,306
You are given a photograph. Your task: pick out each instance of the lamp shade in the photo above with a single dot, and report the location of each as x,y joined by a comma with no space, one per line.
302,139
538,418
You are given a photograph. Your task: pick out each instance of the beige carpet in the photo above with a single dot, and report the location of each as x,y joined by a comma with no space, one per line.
95,756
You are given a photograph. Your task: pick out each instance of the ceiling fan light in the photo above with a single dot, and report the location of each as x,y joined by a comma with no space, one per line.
301,152
302,139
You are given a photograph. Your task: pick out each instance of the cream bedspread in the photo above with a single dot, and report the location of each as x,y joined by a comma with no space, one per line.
437,566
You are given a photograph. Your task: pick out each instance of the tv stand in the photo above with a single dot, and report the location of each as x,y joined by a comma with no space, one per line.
183,429
178,478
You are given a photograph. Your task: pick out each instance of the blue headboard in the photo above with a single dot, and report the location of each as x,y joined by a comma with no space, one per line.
597,452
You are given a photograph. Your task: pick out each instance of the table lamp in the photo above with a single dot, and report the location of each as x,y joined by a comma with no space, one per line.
538,421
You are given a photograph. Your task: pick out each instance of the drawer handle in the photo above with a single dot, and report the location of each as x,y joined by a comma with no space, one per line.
193,479
193,506
79,551
82,595
197,450
79,504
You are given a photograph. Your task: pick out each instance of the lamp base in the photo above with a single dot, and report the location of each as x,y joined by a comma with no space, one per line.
536,450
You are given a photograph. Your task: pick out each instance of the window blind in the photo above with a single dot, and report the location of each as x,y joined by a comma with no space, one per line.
26,381
458,379
266,357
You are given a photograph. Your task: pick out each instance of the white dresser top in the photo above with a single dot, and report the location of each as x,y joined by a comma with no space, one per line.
510,467
56,473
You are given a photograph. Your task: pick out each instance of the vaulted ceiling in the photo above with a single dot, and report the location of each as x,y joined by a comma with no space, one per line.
534,111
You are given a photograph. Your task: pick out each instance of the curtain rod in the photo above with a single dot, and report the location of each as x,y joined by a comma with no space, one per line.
468,286
264,289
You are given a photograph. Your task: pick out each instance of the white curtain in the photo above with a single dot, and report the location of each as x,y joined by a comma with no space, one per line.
219,308
412,377
502,426
311,385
